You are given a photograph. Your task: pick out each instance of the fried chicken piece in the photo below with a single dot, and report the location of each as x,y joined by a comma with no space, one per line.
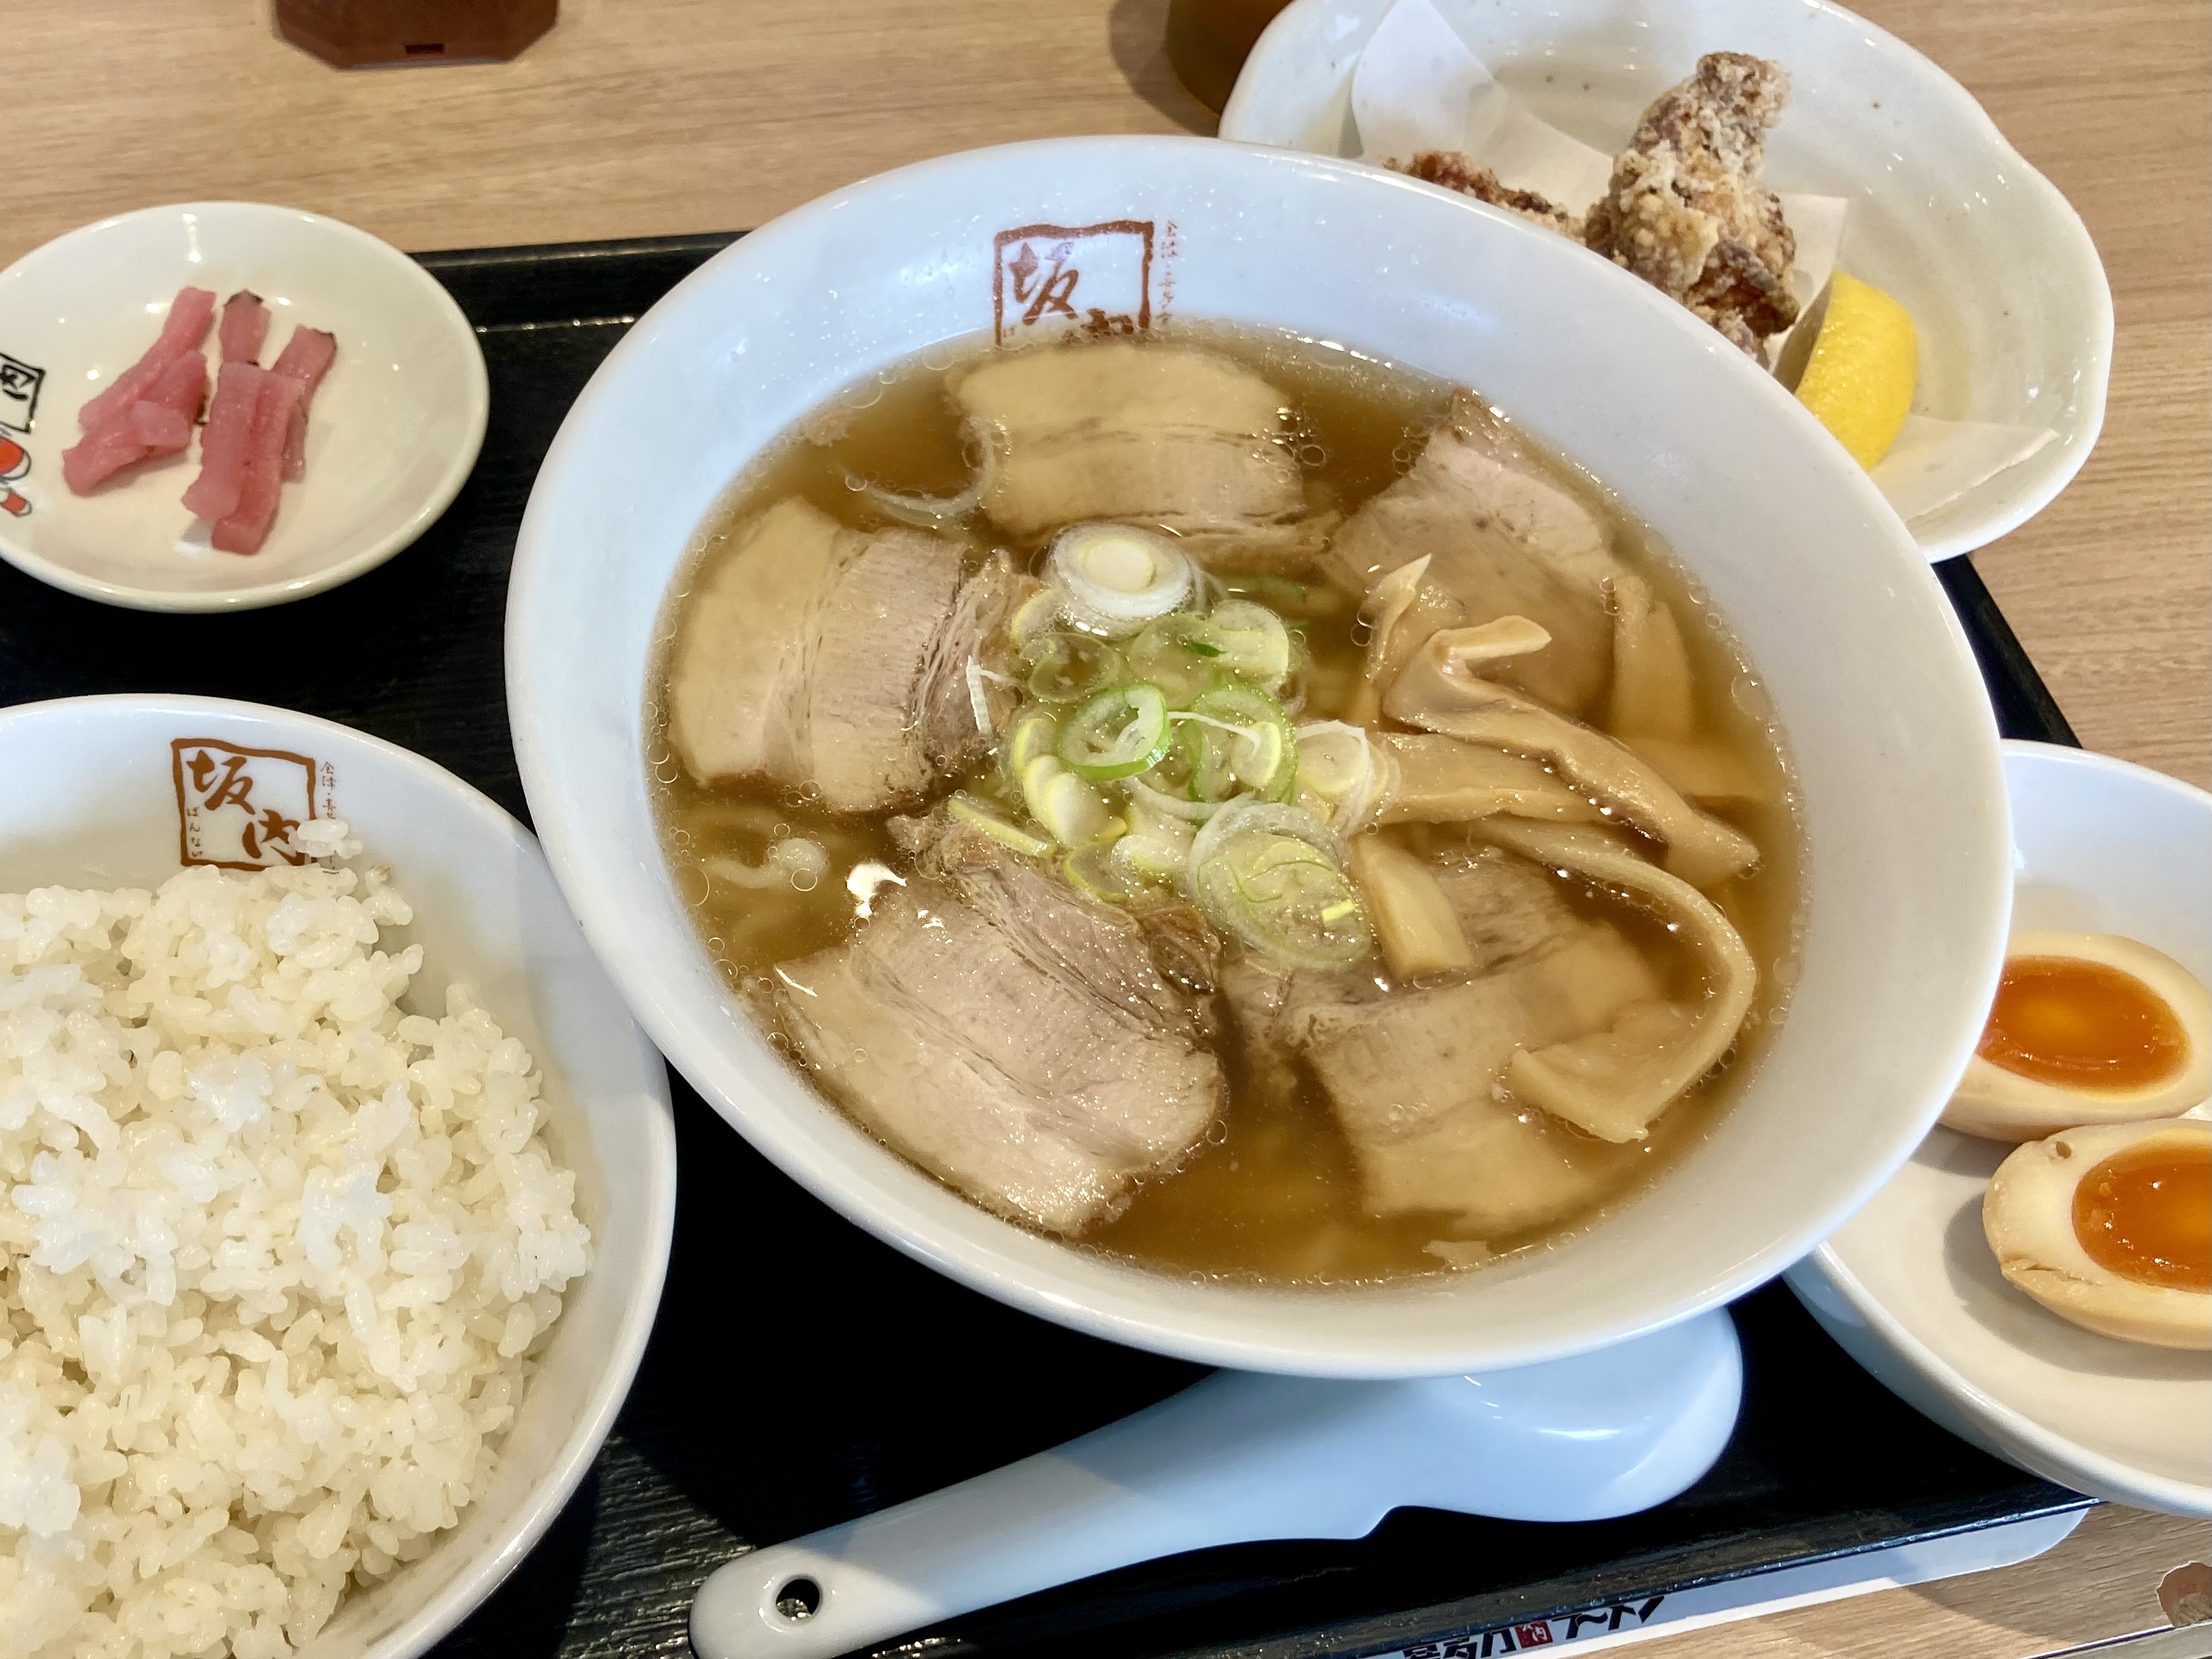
1463,173
1685,210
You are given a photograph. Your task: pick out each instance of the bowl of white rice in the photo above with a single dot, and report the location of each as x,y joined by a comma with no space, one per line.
336,1188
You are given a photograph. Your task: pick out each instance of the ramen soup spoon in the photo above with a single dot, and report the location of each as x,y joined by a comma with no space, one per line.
1240,1457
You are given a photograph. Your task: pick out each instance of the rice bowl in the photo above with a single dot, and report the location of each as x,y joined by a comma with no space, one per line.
236,1057
285,1241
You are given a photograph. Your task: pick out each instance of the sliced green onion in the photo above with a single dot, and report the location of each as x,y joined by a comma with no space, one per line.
979,700
933,512
1034,620
1254,644
1207,753
1179,654
1118,578
1071,667
1244,815
1033,734
1174,805
1157,846
1339,775
1281,894
1334,758
1172,776
1200,763
1274,876
968,810
1073,812
927,512
1261,754
1116,733
1291,693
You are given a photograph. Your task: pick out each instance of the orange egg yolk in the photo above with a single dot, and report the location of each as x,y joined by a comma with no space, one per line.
2081,1025
2146,1213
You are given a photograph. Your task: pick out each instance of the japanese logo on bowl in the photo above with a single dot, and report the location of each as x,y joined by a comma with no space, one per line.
19,394
1098,280
241,809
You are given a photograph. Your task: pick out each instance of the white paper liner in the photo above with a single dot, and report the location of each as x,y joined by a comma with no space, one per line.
1417,86
1924,467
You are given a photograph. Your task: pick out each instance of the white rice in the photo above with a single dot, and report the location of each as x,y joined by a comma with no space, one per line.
275,1257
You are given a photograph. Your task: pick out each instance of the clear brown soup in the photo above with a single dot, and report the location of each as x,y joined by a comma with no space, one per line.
1271,1195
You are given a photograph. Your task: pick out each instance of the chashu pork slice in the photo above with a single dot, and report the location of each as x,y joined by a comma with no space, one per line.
1505,538
737,678
1414,1073
1172,435
971,684
1415,1083
1008,1035
893,594
803,658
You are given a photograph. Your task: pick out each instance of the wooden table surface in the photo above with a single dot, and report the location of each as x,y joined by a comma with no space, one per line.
646,117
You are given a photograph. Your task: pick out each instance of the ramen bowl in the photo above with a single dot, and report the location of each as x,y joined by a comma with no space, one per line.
1906,888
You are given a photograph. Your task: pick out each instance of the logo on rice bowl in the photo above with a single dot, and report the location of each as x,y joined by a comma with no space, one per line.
241,809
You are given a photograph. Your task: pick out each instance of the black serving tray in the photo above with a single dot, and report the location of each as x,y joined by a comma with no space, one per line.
801,1373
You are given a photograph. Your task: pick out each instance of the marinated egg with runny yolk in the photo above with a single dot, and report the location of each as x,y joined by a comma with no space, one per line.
2062,1020
2110,1226
2087,1028
2146,1213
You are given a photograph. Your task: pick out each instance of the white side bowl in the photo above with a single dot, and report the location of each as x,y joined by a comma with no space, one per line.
1909,1286
96,797
2009,298
395,428
1866,665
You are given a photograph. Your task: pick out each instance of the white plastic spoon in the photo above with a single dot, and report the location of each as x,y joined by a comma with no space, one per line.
1239,1457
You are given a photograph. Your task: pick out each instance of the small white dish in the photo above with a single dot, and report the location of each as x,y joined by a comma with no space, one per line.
2008,296
395,429
1909,1286
101,794
1871,680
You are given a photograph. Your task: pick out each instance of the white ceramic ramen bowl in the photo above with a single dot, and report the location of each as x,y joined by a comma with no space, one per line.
395,428
1907,888
2006,293
1909,1286
101,792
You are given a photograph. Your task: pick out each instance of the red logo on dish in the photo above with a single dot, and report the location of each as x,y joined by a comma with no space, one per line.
14,462
1097,280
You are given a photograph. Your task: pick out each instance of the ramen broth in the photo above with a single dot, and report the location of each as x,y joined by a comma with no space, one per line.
1271,1192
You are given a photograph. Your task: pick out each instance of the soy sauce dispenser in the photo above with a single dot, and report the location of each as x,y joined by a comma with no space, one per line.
363,34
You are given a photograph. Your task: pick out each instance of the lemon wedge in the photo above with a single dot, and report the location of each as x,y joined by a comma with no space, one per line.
1860,373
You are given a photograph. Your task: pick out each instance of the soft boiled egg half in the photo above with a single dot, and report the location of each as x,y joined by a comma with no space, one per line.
2087,1028
2110,1226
